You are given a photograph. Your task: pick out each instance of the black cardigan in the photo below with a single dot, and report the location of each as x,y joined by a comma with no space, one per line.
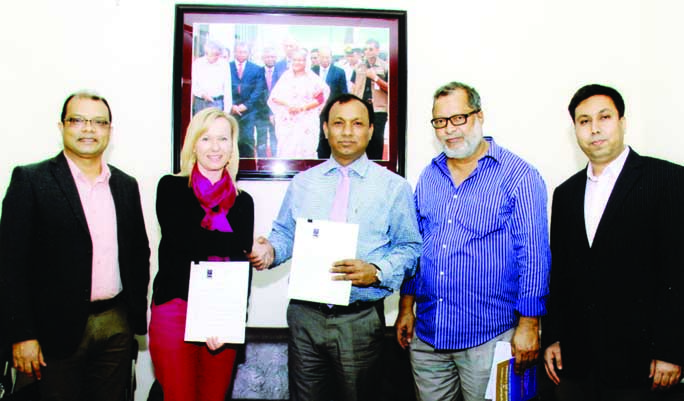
183,240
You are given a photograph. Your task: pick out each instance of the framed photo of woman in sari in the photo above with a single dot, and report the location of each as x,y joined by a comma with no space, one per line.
256,62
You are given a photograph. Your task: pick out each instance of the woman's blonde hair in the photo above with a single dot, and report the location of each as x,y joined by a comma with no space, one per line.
199,124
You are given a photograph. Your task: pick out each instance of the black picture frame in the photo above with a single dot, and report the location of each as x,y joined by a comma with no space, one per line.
248,23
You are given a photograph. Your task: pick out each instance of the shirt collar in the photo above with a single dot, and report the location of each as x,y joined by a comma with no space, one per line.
359,166
76,172
613,169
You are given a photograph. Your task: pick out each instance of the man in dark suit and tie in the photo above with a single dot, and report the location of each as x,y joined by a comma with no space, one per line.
615,329
337,81
266,139
74,263
248,91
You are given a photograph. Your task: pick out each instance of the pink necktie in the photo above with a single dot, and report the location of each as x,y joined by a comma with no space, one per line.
339,207
269,78
239,71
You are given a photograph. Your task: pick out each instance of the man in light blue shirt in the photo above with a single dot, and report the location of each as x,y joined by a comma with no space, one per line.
484,266
333,350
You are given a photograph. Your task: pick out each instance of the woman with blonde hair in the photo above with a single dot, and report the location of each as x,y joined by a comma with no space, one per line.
203,216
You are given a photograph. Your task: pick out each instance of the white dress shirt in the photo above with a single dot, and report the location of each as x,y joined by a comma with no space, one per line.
212,79
598,190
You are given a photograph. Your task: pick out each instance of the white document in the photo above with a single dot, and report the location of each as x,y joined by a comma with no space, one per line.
317,245
502,352
217,301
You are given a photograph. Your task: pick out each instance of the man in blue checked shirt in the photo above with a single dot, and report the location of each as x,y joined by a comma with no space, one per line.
484,268
333,350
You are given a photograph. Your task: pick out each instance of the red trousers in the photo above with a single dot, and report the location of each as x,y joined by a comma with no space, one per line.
186,371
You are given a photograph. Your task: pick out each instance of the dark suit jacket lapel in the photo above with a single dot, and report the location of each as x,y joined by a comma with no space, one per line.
576,206
250,69
626,180
117,194
62,174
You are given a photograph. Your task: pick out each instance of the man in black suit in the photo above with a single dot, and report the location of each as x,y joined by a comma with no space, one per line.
74,263
614,329
266,139
337,81
248,91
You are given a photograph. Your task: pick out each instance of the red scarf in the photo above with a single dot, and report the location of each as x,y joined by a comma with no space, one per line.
216,200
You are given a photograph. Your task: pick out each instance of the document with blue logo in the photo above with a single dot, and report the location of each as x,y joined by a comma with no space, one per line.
317,245
217,301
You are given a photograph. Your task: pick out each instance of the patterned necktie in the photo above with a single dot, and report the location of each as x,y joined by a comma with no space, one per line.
338,212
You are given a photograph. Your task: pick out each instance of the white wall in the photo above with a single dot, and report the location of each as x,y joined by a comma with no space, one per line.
526,58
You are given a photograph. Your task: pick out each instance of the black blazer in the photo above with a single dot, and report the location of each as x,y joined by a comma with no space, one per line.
618,304
46,256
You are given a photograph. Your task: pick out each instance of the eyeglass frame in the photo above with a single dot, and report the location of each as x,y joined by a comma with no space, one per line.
79,122
450,119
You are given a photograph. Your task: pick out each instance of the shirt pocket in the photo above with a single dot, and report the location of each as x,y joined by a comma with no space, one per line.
484,213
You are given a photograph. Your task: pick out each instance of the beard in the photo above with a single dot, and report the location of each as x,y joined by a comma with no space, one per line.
471,141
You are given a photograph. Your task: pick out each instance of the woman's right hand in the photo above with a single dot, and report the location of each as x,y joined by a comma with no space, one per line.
213,343
262,254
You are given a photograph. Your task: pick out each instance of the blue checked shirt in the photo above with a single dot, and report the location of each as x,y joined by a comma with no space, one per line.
380,202
486,256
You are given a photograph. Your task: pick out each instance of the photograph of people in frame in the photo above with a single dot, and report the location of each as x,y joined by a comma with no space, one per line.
272,127
348,50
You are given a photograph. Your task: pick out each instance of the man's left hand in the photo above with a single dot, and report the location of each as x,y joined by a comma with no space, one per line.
525,343
664,374
360,273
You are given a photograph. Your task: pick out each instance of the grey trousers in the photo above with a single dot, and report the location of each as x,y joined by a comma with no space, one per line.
450,375
334,357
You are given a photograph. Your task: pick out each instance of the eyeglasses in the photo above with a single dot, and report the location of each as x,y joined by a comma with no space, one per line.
79,122
456,120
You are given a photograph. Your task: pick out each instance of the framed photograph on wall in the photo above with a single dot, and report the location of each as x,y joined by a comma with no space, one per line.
274,68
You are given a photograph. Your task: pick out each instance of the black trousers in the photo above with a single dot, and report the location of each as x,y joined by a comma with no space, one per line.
571,389
377,142
99,369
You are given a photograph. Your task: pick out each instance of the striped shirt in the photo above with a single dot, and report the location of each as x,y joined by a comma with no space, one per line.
380,203
486,256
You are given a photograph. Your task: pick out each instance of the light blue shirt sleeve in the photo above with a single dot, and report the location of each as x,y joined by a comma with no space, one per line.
282,233
380,202
399,260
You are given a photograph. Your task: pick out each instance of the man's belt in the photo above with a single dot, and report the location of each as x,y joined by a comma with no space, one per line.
104,305
353,307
